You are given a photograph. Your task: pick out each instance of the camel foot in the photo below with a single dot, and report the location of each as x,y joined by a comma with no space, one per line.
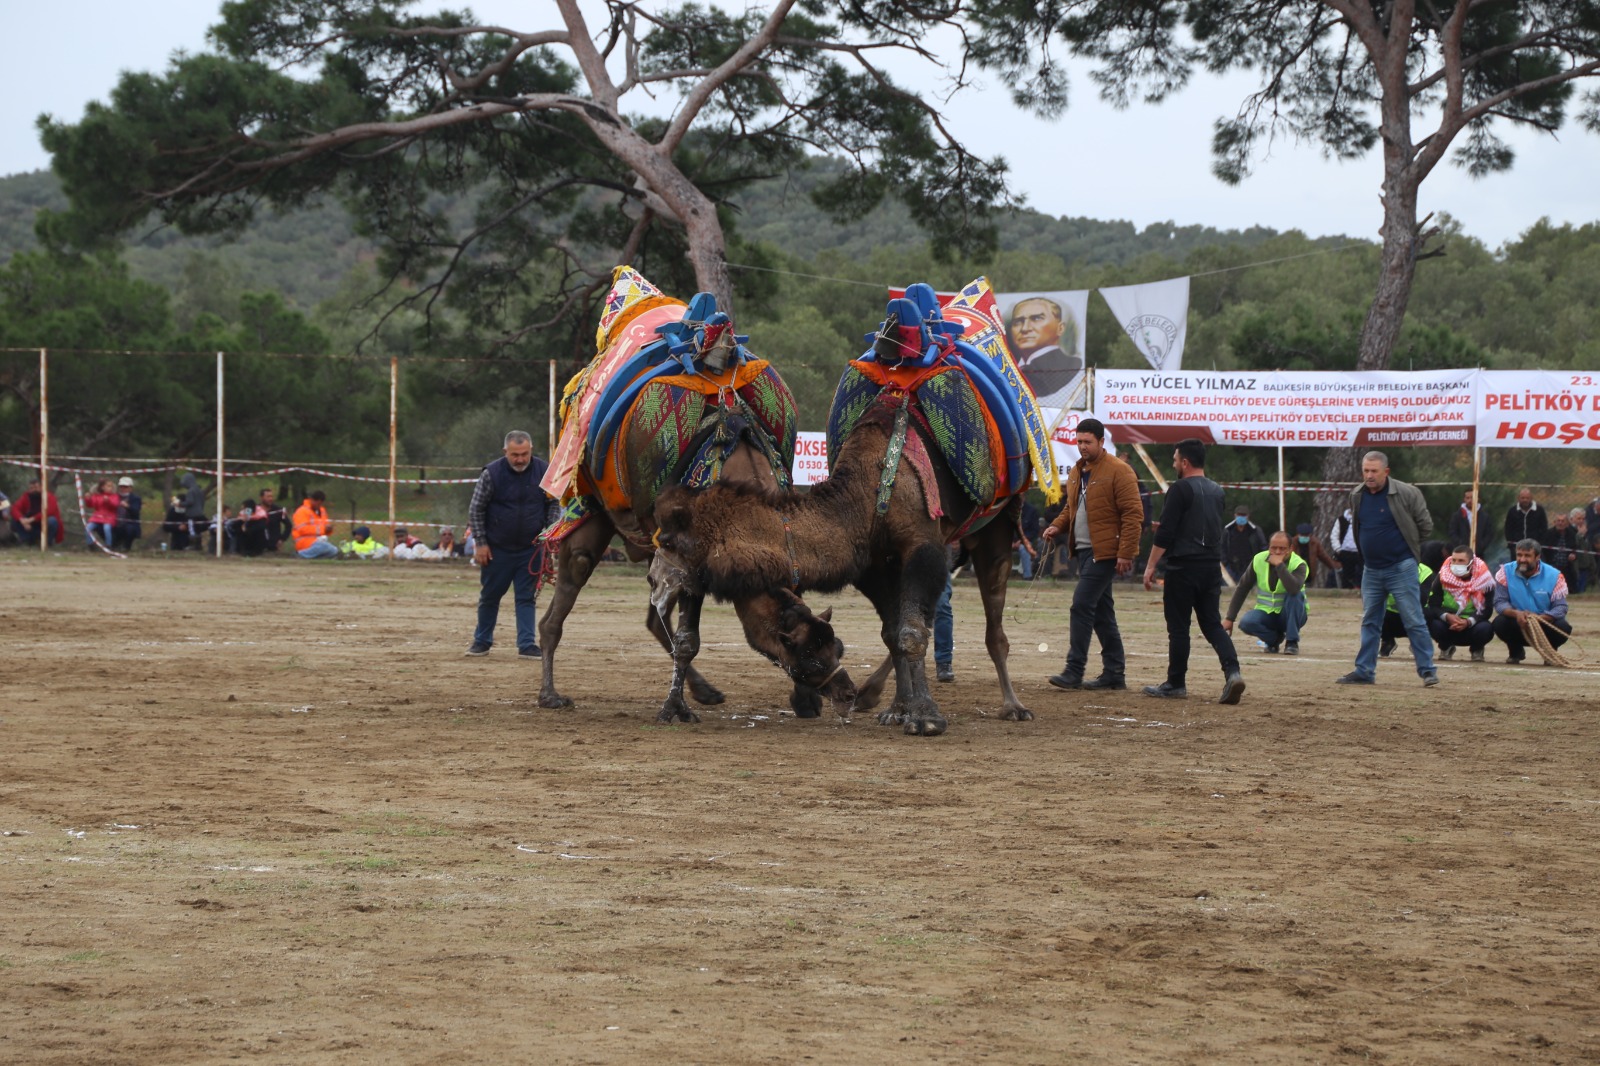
893,716
704,692
674,708
922,718
554,701
1016,713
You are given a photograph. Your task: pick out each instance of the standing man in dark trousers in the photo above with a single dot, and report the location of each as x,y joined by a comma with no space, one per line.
1190,539
1390,521
1101,515
507,514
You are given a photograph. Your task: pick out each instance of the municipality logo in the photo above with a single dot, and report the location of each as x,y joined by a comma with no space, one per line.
1154,335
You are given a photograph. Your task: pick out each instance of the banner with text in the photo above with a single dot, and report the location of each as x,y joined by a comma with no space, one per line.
1309,409
1538,409
810,458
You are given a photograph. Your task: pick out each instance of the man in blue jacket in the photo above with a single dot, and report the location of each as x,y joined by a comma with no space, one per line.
508,512
1529,592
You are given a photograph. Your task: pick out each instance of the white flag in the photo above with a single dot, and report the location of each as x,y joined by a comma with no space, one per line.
1155,317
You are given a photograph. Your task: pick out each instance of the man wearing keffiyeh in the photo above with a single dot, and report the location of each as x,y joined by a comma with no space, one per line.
1456,601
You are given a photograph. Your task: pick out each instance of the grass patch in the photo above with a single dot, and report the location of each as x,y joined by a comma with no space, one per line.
84,956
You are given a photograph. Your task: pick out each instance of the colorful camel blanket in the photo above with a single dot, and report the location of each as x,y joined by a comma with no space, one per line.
692,423
949,412
1022,424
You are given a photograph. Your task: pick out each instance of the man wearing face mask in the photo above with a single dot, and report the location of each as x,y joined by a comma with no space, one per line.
1311,549
1527,593
1242,541
1456,601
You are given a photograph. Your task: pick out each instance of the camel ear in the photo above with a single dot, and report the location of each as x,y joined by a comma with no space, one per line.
826,615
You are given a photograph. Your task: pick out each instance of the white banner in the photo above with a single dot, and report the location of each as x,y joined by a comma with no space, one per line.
1155,317
810,458
1538,409
1045,333
1315,409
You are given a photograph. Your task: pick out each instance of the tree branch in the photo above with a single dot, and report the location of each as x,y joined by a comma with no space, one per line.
697,97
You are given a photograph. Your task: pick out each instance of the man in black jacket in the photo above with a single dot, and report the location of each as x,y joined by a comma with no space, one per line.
1190,540
1242,541
508,512
1525,521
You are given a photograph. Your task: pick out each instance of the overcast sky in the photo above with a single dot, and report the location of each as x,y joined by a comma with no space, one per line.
1146,164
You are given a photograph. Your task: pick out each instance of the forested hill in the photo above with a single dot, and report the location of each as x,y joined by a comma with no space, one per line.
779,212
305,255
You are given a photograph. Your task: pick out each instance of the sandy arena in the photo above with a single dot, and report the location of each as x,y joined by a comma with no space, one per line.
267,811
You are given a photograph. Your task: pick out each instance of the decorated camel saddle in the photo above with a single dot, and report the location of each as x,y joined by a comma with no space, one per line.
948,368
667,398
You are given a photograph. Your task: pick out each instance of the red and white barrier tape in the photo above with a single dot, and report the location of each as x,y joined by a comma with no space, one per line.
88,527
241,474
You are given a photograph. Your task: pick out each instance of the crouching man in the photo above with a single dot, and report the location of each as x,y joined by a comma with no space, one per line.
1527,593
1455,602
1278,576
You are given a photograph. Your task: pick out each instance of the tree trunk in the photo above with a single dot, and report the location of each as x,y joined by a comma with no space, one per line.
1380,331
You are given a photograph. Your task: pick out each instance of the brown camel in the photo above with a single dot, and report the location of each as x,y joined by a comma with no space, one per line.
799,642
738,540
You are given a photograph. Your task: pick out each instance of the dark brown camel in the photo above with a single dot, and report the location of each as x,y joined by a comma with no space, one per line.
799,642
738,540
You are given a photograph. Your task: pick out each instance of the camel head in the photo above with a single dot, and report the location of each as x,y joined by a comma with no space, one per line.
806,648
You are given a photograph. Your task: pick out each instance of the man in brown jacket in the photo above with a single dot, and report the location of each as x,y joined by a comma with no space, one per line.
1101,515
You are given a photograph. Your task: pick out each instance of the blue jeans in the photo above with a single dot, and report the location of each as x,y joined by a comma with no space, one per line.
503,570
320,549
1377,585
1276,628
1025,563
1094,613
31,536
100,531
944,629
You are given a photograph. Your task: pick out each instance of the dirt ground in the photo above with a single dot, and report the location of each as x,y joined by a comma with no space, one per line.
267,811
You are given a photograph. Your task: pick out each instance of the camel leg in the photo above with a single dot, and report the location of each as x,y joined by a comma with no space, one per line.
575,562
685,646
991,561
703,691
920,588
883,592
871,690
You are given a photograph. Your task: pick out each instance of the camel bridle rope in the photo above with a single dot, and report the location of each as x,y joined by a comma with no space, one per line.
1534,633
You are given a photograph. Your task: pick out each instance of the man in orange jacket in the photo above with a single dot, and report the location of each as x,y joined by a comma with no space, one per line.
1100,519
312,528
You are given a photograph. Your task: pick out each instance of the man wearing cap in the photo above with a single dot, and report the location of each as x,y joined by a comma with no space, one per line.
1242,541
362,546
508,512
128,527
312,528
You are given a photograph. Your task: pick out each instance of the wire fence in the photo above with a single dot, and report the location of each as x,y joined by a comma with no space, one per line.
429,485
